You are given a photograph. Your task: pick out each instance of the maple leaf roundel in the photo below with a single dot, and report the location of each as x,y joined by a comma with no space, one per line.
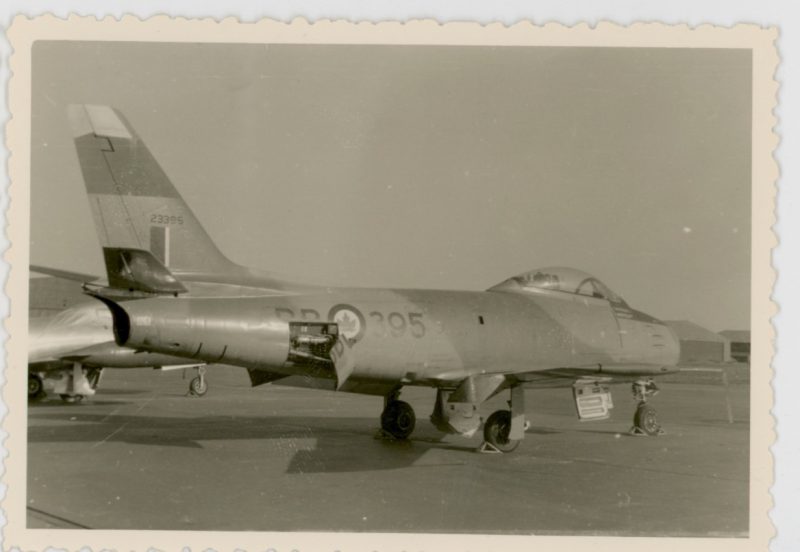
351,322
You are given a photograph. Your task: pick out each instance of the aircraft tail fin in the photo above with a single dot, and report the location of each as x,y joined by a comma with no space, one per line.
133,202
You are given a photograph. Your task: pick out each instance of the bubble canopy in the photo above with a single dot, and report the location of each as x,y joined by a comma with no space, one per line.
563,279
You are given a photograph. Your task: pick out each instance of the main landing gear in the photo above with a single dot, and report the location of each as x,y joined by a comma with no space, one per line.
504,429
457,411
35,387
496,431
198,386
83,382
398,418
645,420
72,384
71,399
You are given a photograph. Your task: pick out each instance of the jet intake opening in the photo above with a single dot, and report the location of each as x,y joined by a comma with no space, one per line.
312,342
122,322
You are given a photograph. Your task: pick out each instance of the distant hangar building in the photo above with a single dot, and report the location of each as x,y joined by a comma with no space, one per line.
740,344
699,344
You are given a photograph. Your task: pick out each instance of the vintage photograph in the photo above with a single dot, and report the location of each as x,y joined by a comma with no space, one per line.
502,289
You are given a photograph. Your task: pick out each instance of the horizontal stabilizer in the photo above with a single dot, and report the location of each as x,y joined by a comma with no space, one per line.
139,270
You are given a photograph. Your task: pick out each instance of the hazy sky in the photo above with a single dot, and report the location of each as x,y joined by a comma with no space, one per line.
445,167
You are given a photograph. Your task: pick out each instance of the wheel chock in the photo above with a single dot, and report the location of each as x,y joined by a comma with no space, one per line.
488,448
635,431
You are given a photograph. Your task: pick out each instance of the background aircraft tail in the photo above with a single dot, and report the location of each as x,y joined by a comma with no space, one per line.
134,204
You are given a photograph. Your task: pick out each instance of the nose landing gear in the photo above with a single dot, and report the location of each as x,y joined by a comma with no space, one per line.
645,420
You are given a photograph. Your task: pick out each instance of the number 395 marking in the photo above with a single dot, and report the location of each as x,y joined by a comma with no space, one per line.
396,324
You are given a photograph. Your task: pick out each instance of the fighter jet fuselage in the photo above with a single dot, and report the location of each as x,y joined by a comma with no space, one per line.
405,337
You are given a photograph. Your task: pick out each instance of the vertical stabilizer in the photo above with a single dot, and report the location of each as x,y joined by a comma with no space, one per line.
134,204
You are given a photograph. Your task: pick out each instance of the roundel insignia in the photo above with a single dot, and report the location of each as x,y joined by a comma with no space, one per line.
350,321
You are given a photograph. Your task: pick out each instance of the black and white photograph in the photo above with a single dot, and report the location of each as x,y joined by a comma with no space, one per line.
417,288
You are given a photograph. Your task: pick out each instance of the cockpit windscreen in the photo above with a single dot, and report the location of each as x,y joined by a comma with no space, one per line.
568,280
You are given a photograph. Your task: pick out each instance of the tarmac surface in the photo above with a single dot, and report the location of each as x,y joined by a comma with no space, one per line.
142,455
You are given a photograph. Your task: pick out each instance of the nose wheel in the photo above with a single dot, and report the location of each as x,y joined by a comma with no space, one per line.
645,419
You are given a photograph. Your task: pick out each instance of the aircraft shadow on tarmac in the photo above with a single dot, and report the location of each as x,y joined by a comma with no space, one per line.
321,444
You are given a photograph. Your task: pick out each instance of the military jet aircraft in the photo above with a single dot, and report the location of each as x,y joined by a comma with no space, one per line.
71,341
171,291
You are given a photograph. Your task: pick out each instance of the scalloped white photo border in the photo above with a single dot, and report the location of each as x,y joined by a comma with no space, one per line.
24,32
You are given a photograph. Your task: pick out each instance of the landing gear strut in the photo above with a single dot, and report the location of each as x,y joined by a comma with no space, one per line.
398,418
645,420
198,385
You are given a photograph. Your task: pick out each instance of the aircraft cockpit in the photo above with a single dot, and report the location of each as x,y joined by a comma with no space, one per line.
562,279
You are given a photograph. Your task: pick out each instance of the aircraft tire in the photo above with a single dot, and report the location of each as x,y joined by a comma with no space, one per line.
646,420
398,419
35,387
495,431
198,387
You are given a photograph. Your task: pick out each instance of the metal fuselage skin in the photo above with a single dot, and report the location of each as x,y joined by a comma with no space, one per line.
411,337
83,333
72,329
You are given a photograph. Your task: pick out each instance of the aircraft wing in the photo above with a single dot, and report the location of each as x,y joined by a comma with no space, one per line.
549,377
65,274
